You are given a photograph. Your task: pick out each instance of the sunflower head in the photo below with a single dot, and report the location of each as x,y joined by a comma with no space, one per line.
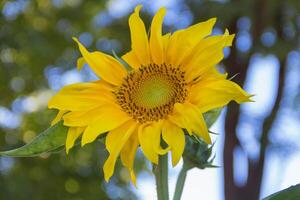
150,92
173,80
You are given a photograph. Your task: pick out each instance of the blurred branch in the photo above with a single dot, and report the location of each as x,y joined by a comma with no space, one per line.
233,191
255,169
251,190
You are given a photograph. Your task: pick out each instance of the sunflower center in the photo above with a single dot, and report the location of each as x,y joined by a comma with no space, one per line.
153,92
149,93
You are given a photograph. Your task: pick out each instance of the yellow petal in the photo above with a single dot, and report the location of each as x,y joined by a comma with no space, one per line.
211,74
174,137
210,94
132,60
200,128
80,63
145,142
214,73
73,134
207,54
105,122
180,120
128,154
156,138
133,177
150,141
58,116
80,96
105,66
166,39
139,39
192,120
123,132
84,118
183,41
156,38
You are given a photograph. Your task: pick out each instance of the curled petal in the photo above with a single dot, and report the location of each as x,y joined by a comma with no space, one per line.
105,66
124,132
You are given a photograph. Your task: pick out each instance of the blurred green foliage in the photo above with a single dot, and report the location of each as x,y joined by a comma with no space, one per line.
34,38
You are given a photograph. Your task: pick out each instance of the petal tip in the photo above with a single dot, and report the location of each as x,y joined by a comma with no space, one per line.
249,97
163,10
213,20
226,32
83,141
67,150
108,169
138,8
75,39
133,178
175,162
208,140
159,150
106,179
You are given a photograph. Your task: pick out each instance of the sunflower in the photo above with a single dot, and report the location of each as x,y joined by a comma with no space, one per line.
171,82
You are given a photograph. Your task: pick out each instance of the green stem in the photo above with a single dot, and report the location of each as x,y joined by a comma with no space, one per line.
180,182
161,178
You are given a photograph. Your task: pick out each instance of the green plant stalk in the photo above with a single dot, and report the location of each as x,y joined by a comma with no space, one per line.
161,178
180,181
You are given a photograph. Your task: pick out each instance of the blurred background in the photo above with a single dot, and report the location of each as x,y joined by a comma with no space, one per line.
257,148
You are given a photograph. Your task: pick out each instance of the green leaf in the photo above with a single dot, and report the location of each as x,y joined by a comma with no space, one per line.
50,140
290,193
210,166
212,116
